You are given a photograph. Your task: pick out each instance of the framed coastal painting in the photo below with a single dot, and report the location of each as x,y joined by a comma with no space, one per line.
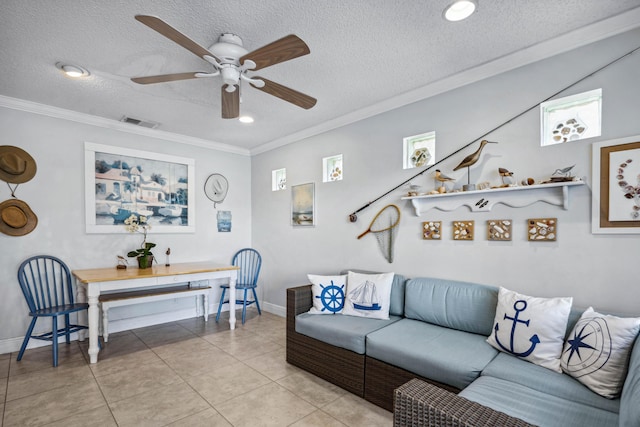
616,186
303,206
120,182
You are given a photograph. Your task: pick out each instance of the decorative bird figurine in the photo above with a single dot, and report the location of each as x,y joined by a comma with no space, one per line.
442,178
503,174
473,158
564,171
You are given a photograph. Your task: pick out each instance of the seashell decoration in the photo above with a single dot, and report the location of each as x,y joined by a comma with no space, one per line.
542,229
499,229
462,230
431,230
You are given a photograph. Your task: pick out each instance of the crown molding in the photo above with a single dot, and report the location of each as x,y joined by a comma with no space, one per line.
578,38
88,119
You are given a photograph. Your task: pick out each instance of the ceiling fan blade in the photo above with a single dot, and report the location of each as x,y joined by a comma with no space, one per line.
285,93
230,103
164,78
171,33
282,50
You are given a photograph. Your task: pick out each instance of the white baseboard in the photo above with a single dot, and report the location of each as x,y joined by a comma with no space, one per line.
11,345
278,310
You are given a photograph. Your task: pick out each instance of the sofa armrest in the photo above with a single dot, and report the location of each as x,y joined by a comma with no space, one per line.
299,300
418,403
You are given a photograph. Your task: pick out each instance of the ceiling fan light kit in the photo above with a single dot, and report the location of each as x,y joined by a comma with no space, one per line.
232,61
459,10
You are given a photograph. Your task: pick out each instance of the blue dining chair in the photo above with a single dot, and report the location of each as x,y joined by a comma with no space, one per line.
249,261
46,284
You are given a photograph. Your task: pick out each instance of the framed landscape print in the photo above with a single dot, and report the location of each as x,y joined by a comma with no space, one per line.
616,186
303,209
120,182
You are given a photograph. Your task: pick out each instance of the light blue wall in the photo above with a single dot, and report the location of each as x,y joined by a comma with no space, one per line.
596,270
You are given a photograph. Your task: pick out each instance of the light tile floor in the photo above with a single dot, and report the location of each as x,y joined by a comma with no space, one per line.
186,373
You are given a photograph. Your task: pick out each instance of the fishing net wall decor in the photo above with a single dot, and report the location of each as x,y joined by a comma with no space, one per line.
385,227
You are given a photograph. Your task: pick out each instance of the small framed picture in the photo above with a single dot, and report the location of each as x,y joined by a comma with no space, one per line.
432,230
499,230
463,230
303,205
542,229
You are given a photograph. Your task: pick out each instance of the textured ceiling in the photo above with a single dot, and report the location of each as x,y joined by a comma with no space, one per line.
363,54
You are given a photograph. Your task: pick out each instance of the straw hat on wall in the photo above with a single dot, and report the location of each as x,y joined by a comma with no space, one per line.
16,165
17,218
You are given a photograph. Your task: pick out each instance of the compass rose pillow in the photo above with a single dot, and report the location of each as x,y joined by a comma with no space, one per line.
328,293
368,295
531,328
597,351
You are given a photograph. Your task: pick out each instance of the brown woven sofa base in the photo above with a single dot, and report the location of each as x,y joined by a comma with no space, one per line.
341,367
381,380
418,403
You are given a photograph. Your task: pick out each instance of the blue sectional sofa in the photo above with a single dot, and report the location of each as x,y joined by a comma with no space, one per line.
436,333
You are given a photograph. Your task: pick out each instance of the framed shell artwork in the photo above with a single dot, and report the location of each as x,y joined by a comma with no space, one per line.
432,230
499,230
542,229
462,230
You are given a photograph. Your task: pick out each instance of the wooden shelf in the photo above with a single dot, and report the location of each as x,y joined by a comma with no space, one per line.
556,194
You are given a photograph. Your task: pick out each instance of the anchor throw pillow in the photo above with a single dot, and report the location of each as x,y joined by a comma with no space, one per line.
531,328
328,293
368,295
597,351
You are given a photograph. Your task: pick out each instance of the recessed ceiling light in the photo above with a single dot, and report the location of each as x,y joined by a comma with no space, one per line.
459,10
70,70
245,119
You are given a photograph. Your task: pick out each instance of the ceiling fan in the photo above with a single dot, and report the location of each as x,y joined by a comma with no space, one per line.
232,61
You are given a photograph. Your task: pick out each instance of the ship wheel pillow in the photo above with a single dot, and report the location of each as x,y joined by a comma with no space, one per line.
368,295
531,328
328,293
597,351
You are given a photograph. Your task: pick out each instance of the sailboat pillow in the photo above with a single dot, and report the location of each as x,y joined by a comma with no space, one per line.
368,295
328,293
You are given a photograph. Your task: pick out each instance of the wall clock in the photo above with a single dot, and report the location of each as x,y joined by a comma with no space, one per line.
216,188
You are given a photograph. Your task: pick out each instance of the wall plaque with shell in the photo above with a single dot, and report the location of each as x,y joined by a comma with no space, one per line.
542,229
499,229
432,230
462,230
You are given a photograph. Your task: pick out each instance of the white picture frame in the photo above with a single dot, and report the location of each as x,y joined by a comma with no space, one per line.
604,174
156,185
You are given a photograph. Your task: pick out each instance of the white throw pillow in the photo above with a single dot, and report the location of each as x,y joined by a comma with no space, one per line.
597,351
531,328
328,293
368,295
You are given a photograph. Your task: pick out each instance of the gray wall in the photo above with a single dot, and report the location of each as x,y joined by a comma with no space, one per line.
596,270
56,195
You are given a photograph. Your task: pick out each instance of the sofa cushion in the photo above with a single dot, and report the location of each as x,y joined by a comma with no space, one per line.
546,381
445,355
597,351
464,306
534,406
328,293
368,295
630,398
347,332
531,328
